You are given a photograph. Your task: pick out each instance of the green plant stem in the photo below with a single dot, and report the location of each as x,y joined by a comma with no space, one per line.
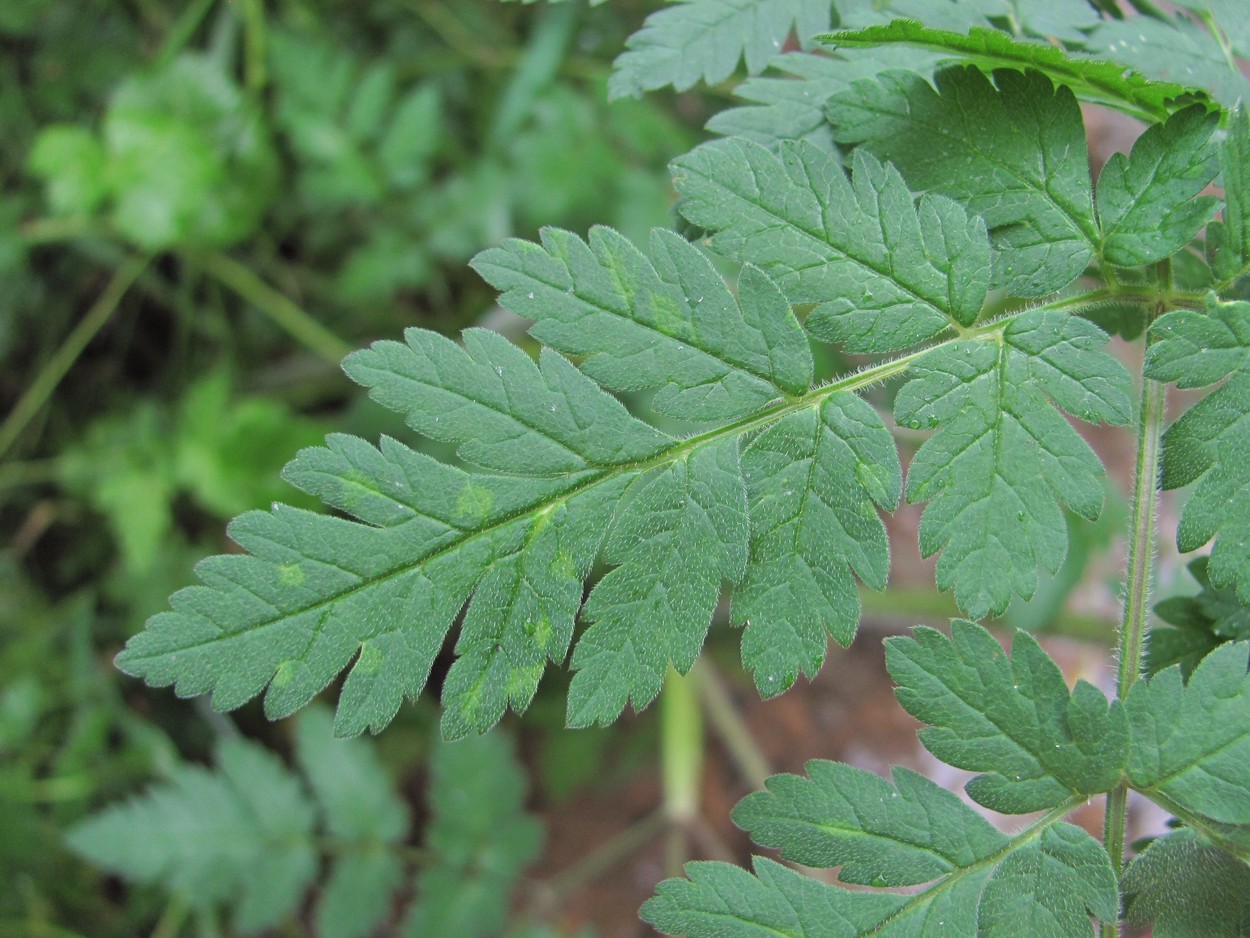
681,759
727,723
183,30
15,928
1142,536
284,313
34,472
46,382
170,923
254,68
53,230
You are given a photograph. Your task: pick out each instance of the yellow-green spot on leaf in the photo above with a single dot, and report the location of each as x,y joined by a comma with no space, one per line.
284,674
474,502
563,565
523,679
668,317
540,630
291,574
370,660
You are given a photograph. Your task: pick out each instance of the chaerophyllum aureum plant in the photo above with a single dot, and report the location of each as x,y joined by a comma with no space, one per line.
921,196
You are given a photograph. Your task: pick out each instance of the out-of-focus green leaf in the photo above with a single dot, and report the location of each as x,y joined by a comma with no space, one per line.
190,162
479,840
73,164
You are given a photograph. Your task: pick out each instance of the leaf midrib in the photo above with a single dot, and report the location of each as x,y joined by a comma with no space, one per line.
745,425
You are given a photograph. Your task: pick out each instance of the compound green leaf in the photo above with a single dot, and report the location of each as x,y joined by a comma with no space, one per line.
1004,456
1210,443
1188,888
1012,718
720,900
913,831
1175,50
241,835
667,323
690,41
675,538
887,273
1045,881
1147,208
522,615
318,592
500,407
1190,743
479,840
1050,888
1090,79
812,479
1228,240
793,107
1198,624
1062,19
361,811
1011,150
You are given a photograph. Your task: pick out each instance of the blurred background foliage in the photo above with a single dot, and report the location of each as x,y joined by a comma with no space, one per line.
204,205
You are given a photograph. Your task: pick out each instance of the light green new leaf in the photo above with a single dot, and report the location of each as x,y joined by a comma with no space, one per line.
1004,456
1012,718
1190,743
1228,240
241,835
479,840
1147,208
1045,881
793,108
1210,443
668,322
675,538
74,167
887,273
812,479
1090,79
1188,888
690,41
1011,150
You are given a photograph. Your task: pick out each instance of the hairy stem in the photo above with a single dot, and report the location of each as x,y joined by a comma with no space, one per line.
1142,537
88,327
